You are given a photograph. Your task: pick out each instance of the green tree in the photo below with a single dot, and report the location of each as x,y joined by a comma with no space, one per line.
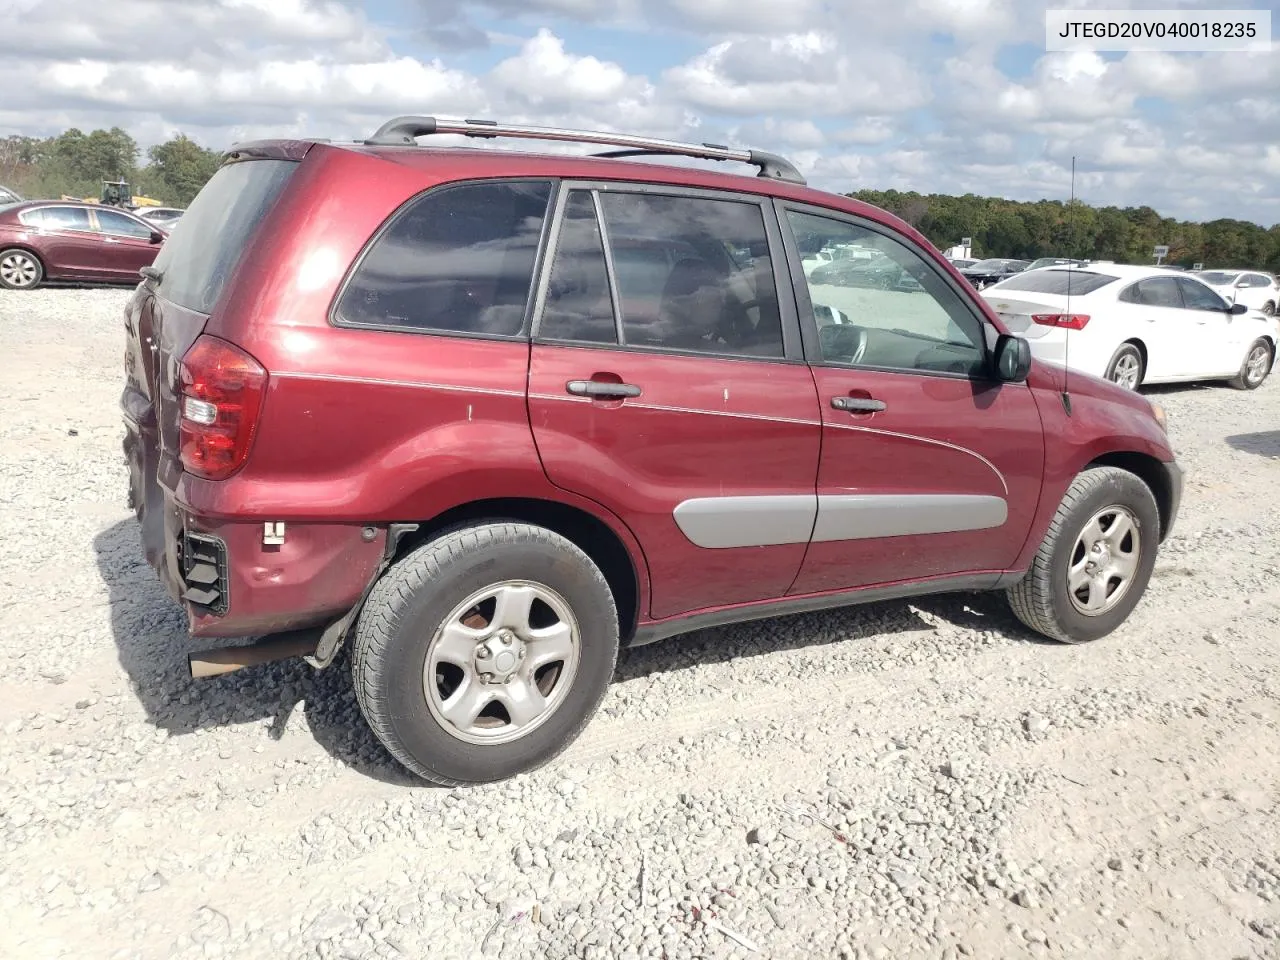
180,167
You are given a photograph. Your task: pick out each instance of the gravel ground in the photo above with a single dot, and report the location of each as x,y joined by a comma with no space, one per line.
920,779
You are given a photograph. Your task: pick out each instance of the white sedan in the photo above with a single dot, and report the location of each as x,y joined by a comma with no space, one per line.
1255,289
1135,325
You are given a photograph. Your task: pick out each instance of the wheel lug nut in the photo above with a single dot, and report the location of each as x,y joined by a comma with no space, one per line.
483,653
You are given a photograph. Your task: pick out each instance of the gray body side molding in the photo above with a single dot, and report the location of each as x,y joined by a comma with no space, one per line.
868,516
722,522
719,523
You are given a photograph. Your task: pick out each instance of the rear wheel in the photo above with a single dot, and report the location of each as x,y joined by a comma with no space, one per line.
1095,561
20,269
1256,366
1126,367
484,653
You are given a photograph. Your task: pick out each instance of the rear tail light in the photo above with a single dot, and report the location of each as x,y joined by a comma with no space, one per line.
222,389
1067,321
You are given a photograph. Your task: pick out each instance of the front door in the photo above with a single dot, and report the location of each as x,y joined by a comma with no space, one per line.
1223,337
126,244
666,383
930,467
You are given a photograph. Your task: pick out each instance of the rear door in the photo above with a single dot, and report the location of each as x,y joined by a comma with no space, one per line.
667,383
929,467
126,244
70,244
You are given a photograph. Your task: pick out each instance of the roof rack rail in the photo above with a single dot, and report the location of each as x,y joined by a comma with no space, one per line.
404,130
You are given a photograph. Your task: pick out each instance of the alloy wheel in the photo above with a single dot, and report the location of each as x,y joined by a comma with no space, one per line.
19,269
1126,371
1255,365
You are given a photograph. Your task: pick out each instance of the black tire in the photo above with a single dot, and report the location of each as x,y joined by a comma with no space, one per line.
1124,356
411,602
20,269
1042,600
1248,379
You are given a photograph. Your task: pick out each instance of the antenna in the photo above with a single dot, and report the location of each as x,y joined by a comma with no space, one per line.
1066,343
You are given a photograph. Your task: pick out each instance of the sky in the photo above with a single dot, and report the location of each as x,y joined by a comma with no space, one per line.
946,96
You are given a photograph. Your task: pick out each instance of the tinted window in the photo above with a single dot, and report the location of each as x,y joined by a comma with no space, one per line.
1157,292
459,259
201,253
693,274
65,218
895,311
117,224
1257,280
1074,282
1197,296
579,305
1219,278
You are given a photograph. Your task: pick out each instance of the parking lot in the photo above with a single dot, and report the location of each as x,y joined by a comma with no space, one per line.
906,779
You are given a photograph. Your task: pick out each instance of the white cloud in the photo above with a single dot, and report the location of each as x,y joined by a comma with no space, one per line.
857,95
808,72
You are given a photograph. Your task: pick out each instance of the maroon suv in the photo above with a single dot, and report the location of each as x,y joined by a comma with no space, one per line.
44,240
492,414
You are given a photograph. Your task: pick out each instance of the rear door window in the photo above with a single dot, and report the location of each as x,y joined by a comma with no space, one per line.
65,218
456,260
205,247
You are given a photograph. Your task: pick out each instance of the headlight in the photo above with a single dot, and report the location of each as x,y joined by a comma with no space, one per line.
1157,411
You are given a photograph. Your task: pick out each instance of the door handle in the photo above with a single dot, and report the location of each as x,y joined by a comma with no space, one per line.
602,389
110,240
858,404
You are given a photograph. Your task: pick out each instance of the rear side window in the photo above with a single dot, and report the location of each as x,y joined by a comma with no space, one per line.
205,247
64,218
1154,292
1074,283
459,260
680,273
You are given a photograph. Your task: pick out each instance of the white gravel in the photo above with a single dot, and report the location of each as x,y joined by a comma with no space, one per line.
920,779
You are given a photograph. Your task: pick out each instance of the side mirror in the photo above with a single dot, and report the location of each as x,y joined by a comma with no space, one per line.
1013,358
157,236
1238,308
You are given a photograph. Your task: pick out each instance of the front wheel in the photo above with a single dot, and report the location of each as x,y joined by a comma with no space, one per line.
1095,561
484,653
1256,366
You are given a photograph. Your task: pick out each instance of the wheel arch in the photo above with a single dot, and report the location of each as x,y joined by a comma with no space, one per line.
1151,472
1142,350
589,533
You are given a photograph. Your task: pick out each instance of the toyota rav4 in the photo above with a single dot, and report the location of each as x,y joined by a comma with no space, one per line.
488,416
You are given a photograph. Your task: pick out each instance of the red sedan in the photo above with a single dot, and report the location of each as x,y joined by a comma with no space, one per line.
42,240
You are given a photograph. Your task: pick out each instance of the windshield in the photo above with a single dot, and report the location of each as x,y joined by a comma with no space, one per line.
1062,282
994,264
1050,262
207,240
1219,278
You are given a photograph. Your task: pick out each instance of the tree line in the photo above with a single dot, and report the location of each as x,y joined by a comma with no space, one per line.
75,163
1051,228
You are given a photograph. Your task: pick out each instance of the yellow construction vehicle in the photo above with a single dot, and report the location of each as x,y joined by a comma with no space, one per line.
118,193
